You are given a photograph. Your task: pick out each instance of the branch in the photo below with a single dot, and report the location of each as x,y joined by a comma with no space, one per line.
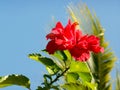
57,77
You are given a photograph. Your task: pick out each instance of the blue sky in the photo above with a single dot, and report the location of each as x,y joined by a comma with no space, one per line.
24,24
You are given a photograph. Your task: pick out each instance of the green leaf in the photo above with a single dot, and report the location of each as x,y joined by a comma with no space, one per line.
68,55
93,86
44,60
63,56
72,77
58,62
51,66
79,71
69,58
42,88
117,80
77,66
39,88
19,80
75,86
84,76
48,88
58,55
59,58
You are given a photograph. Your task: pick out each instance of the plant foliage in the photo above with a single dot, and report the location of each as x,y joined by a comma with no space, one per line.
100,64
19,80
117,80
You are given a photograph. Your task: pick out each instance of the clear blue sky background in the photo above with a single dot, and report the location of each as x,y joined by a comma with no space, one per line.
23,26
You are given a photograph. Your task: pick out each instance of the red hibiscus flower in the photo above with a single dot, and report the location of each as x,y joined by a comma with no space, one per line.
62,38
69,38
81,51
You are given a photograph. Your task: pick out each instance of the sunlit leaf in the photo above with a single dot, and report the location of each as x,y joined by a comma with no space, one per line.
93,86
77,66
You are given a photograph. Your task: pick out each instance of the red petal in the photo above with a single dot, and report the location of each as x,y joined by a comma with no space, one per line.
93,40
78,35
51,47
58,41
59,25
74,25
69,22
50,36
80,54
97,49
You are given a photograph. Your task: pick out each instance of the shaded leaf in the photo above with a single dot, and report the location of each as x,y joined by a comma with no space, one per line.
72,77
64,57
68,55
51,66
19,80
42,88
85,76
75,86
44,60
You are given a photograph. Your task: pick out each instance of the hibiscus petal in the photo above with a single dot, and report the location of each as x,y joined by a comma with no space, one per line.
51,47
70,38
50,36
73,26
84,56
97,49
78,35
59,25
59,41
80,54
93,40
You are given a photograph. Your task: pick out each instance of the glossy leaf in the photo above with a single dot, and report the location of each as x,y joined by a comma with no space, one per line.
10,80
